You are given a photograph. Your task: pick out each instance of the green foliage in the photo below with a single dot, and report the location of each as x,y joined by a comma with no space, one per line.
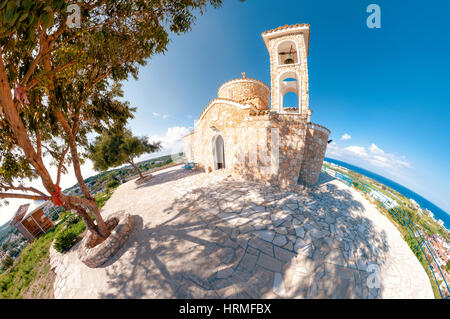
112,184
72,220
448,266
118,147
65,240
413,244
7,262
72,227
17,280
79,77
102,198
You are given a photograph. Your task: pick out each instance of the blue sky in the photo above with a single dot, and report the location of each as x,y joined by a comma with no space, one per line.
388,89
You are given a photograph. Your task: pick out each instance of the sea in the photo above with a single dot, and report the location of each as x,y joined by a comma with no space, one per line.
423,202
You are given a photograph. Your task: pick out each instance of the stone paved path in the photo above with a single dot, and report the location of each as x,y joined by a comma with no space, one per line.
211,236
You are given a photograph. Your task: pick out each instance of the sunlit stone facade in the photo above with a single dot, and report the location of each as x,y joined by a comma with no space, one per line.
251,132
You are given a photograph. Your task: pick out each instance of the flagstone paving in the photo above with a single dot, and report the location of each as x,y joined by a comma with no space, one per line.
211,236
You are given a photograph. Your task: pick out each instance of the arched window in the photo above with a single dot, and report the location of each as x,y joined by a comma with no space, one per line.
290,101
290,93
287,53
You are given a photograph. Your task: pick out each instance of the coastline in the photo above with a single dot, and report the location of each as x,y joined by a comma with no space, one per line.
424,203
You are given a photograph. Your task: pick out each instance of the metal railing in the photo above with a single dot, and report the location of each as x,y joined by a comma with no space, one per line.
392,207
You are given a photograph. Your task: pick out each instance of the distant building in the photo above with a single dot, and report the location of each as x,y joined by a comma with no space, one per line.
440,222
31,222
414,203
429,213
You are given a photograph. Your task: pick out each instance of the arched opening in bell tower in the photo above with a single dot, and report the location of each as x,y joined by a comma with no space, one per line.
290,92
287,53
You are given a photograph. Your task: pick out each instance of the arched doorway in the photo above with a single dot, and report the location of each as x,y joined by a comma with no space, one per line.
218,152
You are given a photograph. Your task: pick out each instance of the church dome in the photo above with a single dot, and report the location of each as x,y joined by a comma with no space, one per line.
244,89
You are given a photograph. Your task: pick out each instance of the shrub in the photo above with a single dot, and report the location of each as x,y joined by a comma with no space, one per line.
112,183
72,219
8,262
65,240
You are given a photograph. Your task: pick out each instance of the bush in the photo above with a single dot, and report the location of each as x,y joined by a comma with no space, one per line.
72,220
68,237
8,262
65,240
112,183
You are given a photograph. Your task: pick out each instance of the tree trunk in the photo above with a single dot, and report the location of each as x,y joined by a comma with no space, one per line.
103,230
136,168
87,219
23,141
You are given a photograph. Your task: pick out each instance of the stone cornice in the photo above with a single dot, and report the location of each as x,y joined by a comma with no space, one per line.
224,101
318,127
243,80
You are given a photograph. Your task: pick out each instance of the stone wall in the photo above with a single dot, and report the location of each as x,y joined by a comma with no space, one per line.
316,146
250,145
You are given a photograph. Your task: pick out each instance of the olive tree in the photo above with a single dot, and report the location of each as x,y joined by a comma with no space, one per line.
60,82
112,149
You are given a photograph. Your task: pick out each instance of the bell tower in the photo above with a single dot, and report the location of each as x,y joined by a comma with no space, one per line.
288,48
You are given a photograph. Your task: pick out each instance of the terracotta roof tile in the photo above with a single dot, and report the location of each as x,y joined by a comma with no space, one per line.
286,27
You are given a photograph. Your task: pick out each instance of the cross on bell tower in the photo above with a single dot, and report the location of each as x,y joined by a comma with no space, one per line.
288,48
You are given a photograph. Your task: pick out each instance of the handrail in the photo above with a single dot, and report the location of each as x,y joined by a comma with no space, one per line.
392,207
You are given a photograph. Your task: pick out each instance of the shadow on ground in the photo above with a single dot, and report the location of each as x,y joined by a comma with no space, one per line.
236,239
169,176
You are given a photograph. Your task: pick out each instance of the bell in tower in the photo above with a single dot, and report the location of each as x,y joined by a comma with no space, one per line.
288,57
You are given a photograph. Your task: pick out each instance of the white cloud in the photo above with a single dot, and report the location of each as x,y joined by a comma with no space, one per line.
373,156
163,116
356,150
346,137
173,139
375,149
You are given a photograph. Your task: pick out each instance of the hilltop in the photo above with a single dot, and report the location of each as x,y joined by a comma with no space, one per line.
98,183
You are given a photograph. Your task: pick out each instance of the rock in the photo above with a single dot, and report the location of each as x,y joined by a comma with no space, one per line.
267,235
270,263
299,231
224,273
280,240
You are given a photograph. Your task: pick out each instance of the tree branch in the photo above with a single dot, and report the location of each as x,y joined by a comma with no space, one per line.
60,165
23,196
21,188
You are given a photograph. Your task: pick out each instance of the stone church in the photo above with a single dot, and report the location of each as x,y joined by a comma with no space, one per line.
254,131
